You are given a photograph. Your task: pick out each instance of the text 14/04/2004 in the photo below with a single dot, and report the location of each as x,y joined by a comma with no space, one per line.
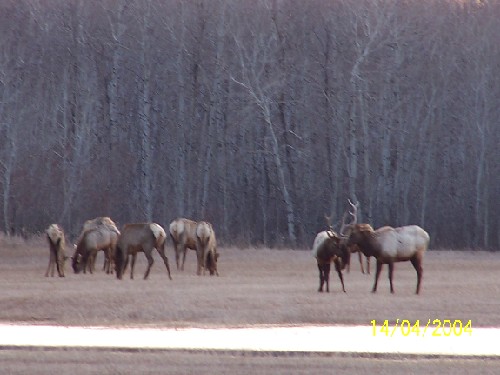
438,327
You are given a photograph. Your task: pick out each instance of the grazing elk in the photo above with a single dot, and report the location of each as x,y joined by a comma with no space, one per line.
106,222
183,234
206,246
140,237
55,237
389,245
328,248
89,243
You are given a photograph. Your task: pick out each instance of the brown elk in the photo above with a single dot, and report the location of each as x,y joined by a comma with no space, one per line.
328,248
206,246
140,237
90,242
98,222
389,245
183,234
343,235
55,237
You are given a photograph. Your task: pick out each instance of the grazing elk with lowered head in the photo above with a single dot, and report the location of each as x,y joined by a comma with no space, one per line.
206,248
389,245
183,234
55,237
108,224
140,237
89,243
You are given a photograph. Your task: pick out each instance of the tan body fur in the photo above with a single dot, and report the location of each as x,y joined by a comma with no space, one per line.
206,248
55,237
140,237
183,234
389,245
89,244
100,222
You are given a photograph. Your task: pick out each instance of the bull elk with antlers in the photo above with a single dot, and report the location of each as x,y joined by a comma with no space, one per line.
353,211
331,247
327,248
389,245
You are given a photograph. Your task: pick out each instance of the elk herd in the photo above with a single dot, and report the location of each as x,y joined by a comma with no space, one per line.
387,245
102,234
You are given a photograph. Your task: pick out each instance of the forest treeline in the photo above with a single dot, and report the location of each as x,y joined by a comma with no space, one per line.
259,116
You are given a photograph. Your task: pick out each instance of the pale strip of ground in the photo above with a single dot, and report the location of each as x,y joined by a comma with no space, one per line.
306,339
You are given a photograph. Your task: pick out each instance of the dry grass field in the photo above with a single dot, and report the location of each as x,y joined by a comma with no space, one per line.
255,287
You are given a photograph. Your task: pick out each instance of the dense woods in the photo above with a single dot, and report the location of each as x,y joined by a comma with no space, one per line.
258,116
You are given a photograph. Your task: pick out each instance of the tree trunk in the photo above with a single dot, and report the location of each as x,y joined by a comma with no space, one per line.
215,116
146,161
290,212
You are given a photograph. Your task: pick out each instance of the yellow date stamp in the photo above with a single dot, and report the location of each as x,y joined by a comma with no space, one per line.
436,327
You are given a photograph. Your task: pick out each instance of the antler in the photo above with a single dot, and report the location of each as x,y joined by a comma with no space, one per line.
328,220
353,213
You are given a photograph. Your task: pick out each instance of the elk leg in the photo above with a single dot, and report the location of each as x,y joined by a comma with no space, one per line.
368,265
60,266
150,262
339,272
176,251
106,265
326,276
165,261
86,260
48,268
379,269
205,262
51,263
391,271
417,264
132,264
321,278
90,262
360,256
92,259
111,258
184,251
126,263
105,260
200,256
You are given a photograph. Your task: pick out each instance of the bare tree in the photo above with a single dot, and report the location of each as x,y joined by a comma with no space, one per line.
260,115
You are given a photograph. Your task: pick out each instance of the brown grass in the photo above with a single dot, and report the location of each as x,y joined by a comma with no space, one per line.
256,286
